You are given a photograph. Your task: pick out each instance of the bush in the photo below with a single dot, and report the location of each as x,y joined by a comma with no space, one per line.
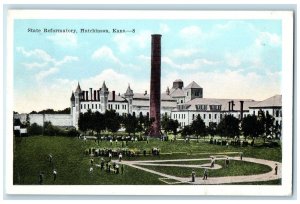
35,129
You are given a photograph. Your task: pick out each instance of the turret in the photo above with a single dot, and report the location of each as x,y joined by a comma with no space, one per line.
72,100
104,97
129,97
76,110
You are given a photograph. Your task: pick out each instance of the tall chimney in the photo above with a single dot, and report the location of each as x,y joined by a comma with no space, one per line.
232,104
229,105
155,84
87,95
113,95
95,95
242,109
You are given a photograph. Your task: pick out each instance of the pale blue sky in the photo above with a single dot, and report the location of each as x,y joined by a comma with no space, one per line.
228,58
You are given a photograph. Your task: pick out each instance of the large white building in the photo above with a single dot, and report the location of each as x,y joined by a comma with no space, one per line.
181,103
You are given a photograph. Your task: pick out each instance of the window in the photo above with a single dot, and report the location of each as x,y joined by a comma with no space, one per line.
204,115
80,106
193,116
84,106
96,106
88,106
92,106
181,101
253,112
277,113
209,116
215,116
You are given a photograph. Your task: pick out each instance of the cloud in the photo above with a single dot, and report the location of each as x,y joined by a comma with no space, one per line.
191,32
66,59
37,53
127,42
47,64
42,74
35,65
64,39
163,28
195,64
233,60
184,52
268,39
105,52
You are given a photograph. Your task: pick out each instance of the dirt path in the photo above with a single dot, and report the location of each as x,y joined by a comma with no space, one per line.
211,180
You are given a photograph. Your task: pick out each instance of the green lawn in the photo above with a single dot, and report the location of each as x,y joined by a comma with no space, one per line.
31,157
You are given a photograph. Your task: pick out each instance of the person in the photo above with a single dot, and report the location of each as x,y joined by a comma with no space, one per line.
92,161
110,142
205,174
117,169
84,138
276,169
54,174
227,144
109,156
50,158
227,162
122,169
102,164
212,164
41,178
241,155
91,169
120,157
193,175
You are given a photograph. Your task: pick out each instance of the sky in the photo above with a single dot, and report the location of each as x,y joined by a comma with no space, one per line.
227,58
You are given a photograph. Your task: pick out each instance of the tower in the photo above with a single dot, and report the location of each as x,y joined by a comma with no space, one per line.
104,97
129,97
155,84
76,110
72,100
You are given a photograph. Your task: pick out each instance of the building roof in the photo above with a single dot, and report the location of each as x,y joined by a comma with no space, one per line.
193,85
223,102
129,91
177,93
274,101
146,103
117,98
178,80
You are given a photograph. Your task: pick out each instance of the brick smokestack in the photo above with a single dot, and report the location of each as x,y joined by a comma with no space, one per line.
242,109
155,84
229,105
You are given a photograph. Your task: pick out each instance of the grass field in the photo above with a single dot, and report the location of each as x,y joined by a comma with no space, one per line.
236,168
31,158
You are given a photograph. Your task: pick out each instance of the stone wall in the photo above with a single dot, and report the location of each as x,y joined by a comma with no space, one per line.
63,120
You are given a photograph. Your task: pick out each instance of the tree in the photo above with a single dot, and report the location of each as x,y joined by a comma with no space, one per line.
165,123
198,127
82,122
212,128
173,126
186,131
35,129
229,126
251,126
131,124
112,121
98,122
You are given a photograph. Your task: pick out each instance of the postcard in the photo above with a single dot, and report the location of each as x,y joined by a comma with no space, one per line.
123,102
